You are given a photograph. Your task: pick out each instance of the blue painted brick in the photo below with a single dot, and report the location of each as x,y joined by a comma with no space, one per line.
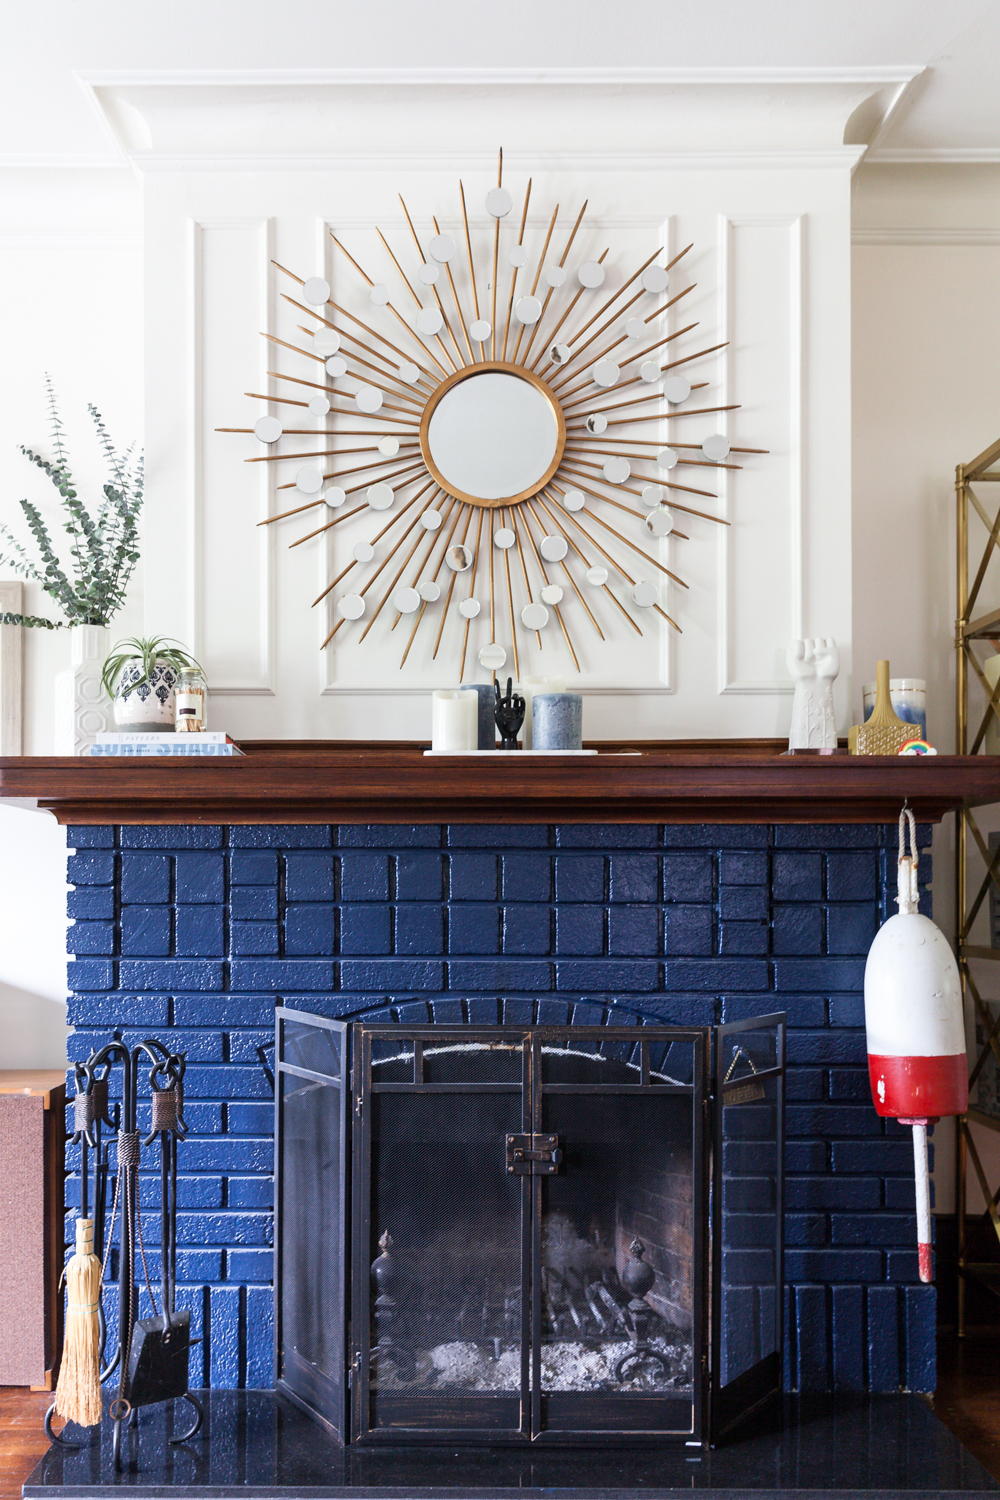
364,877
920,1304
239,1081
881,1156
473,877
224,1336
474,929
831,1193
251,1119
223,1228
90,868
199,878
500,975
580,877
250,1192
797,877
526,877
687,930
805,1156
388,836
198,1265
851,927
365,929
90,838
899,1193
824,974
579,929
91,938
419,928
527,929
419,877
223,1010
249,903
230,1153
393,975
129,1010
145,877
91,901
634,931
171,836
259,1339
250,1265
309,931
744,903
243,1045
902,1266
800,1229
805,1083
712,836
812,1371
169,974
309,877
797,929
829,836
856,1229
743,938
604,974
831,1120
248,938
283,836
145,931
852,877
847,1010
833,1265
258,868
850,1083
883,1338
497,836
739,868
446,1012
268,975
716,974
90,974
199,932
634,877
848,1338
607,836
198,1190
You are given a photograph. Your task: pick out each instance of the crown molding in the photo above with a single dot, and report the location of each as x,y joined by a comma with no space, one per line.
460,77
915,155
926,236
839,158
41,161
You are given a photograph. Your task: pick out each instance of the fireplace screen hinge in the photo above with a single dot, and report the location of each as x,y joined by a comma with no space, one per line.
533,1155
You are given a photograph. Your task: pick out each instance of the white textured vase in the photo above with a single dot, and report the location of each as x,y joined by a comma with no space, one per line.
82,708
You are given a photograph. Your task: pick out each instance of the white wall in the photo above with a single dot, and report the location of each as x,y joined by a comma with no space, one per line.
71,305
926,397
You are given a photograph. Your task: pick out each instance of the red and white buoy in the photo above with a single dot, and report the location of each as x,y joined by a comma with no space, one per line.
916,1032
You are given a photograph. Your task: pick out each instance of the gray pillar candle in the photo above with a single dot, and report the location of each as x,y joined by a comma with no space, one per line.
487,723
557,721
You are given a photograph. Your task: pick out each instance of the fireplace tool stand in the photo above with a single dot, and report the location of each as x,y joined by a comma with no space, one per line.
150,1354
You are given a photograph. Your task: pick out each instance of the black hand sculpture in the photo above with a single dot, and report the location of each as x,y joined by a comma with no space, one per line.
509,714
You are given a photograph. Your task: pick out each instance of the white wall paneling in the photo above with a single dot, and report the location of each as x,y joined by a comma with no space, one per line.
233,601
760,566
779,294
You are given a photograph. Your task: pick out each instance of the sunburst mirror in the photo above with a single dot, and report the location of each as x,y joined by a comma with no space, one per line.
497,477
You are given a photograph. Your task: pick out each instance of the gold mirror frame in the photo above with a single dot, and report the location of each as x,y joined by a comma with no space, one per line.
497,367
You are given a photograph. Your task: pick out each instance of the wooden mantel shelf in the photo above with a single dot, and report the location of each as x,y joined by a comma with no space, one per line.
349,781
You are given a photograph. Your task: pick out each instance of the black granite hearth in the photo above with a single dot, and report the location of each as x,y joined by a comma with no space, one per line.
256,1445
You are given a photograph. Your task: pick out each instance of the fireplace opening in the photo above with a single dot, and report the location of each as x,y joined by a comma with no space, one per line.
540,1234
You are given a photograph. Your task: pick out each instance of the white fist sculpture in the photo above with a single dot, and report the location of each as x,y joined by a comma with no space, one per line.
813,665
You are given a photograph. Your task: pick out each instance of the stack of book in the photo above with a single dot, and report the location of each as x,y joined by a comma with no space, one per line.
206,742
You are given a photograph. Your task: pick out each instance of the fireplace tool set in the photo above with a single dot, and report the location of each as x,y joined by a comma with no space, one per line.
150,1357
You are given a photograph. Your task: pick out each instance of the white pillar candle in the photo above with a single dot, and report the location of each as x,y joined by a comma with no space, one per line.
455,720
528,687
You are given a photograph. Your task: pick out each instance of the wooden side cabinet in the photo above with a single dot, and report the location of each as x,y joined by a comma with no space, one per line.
32,1137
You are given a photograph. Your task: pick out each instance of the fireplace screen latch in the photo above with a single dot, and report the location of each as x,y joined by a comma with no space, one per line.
533,1155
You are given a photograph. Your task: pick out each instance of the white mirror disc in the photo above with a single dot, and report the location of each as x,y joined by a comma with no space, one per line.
534,617
552,594
379,294
527,310
574,500
429,321
409,372
334,495
406,601
459,557
660,523
667,458
388,447
676,389
480,330
499,202
654,279
590,274
652,495
597,424
469,608
517,256
716,447
326,340
649,370
316,291
336,365
503,538
492,657
267,429
364,552
635,328
645,594
597,576
309,481
351,606
368,399
617,470
431,520
554,548
380,496
559,354
428,274
605,373
554,275
429,592
442,247
319,406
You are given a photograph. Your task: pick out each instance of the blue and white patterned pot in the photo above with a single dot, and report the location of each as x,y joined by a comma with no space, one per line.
150,706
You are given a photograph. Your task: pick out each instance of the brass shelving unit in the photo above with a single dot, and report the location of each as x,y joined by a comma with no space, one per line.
971,628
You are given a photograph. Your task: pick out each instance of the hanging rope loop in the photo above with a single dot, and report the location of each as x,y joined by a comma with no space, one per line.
84,1112
907,886
167,1106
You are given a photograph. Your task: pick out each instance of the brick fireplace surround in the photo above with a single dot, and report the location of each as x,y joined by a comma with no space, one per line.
198,931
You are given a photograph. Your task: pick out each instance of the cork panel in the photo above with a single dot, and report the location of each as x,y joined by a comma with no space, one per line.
22,1235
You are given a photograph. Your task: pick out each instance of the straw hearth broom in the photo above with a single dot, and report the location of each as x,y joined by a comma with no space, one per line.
78,1392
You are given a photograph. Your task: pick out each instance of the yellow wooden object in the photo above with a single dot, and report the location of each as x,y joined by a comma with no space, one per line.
883,733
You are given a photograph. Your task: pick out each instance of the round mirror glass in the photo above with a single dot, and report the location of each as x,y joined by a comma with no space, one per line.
493,437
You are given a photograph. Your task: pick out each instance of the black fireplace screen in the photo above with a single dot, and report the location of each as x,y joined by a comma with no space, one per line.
551,1236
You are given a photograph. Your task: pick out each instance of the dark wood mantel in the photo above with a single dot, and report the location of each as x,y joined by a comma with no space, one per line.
351,781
